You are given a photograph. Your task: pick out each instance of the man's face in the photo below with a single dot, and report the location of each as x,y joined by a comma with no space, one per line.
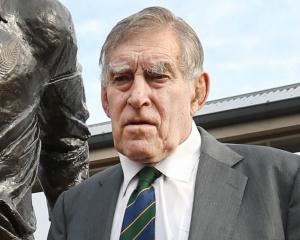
147,98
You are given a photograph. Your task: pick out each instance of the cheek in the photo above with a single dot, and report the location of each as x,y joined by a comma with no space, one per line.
177,121
163,109
168,127
115,109
116,102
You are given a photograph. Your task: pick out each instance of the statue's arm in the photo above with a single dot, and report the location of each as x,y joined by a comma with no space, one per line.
64,134
63,115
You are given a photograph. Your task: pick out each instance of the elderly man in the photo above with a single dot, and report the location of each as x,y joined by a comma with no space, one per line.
174,181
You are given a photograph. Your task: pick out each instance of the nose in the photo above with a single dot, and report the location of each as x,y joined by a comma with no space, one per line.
139,93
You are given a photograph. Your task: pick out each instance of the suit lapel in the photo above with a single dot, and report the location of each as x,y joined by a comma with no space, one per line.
219,191
101,216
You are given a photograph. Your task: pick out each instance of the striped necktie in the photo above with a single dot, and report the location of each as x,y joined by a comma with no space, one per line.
139,218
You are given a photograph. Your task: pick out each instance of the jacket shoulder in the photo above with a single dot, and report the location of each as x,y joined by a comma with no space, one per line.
266,154
267,162
91,183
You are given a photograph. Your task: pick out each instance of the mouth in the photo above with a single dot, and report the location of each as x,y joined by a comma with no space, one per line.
139,122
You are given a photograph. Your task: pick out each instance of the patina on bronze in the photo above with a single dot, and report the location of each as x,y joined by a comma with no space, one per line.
42,110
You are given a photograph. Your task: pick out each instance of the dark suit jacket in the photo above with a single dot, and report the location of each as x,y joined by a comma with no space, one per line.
242,192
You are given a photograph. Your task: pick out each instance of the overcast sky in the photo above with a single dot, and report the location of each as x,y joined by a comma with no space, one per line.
249,45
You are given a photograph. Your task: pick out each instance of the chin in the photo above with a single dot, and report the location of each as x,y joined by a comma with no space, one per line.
138,156
141,151
142,157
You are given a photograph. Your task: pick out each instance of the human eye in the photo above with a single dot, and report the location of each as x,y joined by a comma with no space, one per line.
158,77
121,78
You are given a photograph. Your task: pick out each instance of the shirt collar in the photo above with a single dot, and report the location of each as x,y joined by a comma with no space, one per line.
179,165
130,170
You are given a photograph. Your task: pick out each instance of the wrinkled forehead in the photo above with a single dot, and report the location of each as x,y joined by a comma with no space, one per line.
146,61
147,49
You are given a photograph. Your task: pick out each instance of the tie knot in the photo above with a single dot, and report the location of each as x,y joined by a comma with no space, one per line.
147,176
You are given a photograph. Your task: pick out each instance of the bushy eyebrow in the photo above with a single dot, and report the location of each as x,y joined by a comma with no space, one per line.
115,68
160,68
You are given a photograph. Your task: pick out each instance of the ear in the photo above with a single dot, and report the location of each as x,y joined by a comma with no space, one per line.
201,89
104,100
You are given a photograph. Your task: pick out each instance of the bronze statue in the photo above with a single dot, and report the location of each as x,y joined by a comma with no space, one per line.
42,110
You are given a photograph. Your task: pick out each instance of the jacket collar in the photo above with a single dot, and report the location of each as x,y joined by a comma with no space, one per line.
219,191
102,213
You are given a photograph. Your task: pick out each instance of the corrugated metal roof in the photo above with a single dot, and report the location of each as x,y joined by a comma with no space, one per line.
100,128
225,104
251,99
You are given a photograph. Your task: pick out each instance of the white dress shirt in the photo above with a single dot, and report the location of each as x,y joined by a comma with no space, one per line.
174,190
